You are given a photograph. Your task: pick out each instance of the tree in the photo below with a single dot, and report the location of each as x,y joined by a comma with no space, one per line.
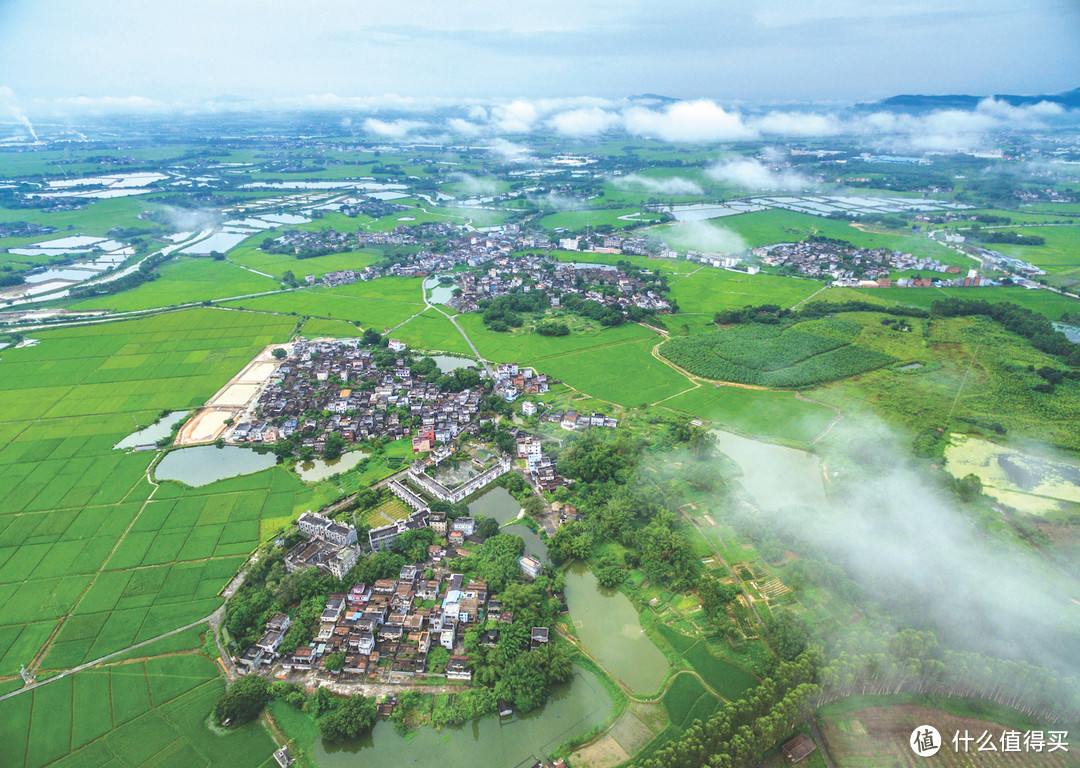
243,701
487,527
524,682
334,662
349,719
334,446
789,633
279,353
515,483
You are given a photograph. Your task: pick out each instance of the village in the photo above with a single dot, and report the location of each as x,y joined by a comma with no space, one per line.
385,631
609,285
493,251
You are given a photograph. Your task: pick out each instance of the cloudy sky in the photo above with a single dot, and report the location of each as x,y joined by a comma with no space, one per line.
123,52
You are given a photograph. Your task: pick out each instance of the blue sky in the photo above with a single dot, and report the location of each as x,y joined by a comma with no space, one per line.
57,54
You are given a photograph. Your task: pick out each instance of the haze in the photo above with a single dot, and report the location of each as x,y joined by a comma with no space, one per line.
112,55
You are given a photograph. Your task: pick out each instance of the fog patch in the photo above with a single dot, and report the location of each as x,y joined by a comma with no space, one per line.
750,173
670,185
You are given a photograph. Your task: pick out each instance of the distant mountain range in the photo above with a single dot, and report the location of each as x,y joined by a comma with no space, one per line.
920,103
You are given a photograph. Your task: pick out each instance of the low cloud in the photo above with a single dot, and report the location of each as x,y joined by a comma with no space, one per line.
688,121
753,174
516,117
476,186
191,219
708,237
461,127
509,152
392,129
901,537
9,104
670,185
583,122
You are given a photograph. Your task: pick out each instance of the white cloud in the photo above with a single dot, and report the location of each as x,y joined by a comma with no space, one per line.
583,122
670,185
509,151
476,186
516,117
463,127
392,129
706,236
691,121
753,174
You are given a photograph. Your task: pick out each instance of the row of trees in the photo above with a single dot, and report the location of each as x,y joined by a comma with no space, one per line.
741,733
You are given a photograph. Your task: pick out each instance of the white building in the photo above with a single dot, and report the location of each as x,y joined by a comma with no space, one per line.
528,409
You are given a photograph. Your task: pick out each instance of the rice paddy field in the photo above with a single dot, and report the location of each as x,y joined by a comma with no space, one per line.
88,544
185,280
335,304
140,713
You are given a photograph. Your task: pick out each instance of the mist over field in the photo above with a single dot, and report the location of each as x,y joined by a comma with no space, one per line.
904,541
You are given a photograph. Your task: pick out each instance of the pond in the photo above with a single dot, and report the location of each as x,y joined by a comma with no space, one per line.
1024,480
439,294
151,434
450,475
500,505
607,624
207,464
448,363
320,469
762,463
574,708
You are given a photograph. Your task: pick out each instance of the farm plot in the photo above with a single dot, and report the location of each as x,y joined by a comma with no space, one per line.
133,714
709,290
522,346
279,263
69,498
879,736
772,356
640,378
432,331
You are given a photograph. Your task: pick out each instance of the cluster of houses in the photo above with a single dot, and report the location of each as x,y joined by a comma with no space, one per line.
387,629
331,546
846,266
512,381
605,284
335,386
301,243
